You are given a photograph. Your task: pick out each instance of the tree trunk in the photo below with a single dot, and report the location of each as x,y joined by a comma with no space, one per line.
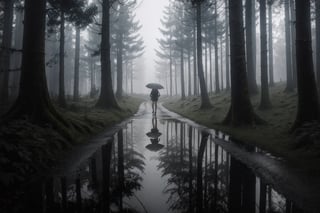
221,63
62,98
205,102
241,111
227,47
170,69
289,87
106,98
6,52
210,67
18,35
318,43
195,78
265,99
216,57
271,78
33,100
183,95
293,43
308,104
189,72
250,46
119,66
76,66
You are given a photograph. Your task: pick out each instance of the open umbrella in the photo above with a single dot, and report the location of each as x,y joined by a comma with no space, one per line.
154,86
153,134
154,147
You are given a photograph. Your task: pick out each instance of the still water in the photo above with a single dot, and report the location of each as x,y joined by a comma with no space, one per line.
157,164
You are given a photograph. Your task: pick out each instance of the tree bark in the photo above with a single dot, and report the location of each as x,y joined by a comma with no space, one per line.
183,95
119,66
293,43
318,43
241,111
106,98
205,102
189,72
289,87
265,99
76,66
195,78
250,46
216,56
227,47
62,98
308,104
271,78
6,52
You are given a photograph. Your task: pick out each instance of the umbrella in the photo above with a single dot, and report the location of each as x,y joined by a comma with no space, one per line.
154,147
154,86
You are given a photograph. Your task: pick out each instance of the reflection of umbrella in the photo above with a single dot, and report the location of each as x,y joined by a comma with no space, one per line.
154,134
154,86
154,147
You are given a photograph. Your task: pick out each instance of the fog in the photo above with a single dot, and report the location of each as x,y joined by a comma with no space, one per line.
149,13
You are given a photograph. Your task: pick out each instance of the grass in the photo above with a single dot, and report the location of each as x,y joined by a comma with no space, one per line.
27,149
273,137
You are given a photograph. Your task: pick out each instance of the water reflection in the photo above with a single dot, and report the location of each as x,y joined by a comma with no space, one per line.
154,136
197,174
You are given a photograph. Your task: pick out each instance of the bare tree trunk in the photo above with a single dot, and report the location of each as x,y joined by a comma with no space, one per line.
6,51
241,111
318,43
289,87
265,99
271,78
183,95
227,47
189,72
308,104
216,56
250,46
205,102
76,66
107,98
62,97
293,43
195,78
119,66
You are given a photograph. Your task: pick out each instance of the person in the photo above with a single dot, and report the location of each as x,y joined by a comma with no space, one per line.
155,94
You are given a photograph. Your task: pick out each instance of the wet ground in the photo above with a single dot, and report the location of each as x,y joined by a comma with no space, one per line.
157,164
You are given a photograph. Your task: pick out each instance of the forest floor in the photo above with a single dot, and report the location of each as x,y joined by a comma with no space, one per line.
27,149
273,137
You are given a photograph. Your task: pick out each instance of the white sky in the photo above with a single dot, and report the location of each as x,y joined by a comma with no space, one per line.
149,13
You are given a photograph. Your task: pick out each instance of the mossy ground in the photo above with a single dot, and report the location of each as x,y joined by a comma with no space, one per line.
274,137
26,148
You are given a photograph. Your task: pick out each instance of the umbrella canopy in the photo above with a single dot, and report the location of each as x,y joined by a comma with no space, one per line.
154,147
154,86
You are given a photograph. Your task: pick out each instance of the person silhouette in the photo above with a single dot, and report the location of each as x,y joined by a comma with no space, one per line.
155,94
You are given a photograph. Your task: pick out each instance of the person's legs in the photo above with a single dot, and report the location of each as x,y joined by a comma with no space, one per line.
155,106
152,106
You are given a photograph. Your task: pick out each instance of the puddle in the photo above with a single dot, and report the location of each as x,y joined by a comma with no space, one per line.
156,166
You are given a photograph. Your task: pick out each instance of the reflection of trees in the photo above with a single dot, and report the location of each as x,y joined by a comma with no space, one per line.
175,165
128,164
109,175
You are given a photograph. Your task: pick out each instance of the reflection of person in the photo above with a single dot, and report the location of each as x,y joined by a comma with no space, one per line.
155,94
154,136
